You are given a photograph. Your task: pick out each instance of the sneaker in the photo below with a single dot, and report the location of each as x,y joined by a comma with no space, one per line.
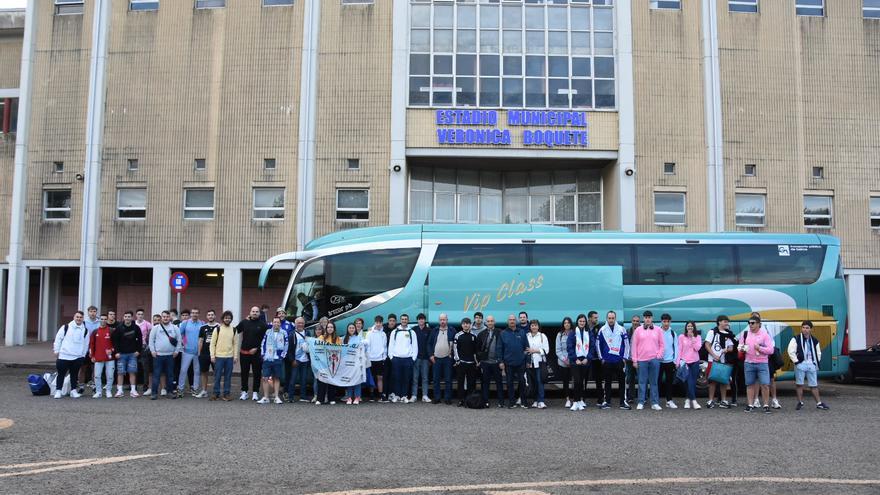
263,401
426,399
174,396
255,396
687,404
226,398
757,403
461,403
393,400
605,405
625,406
154,397
357,401
582,404
278,400
534,405
148,392
749,409
733,404
317,403
332,402
163,392
512,406
710,404
303,399
500,405
57,394
640,407
119,393
348,401
243,396
214,398
823,406
575,407
696,405
656,407
518,402
766,409
541,405
97,395
523,406
671,405
383,400
800,405
567,403
201,395
447,402
775,404
724,404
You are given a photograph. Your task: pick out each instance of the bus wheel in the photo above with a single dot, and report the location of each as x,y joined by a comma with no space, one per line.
702,380
847,378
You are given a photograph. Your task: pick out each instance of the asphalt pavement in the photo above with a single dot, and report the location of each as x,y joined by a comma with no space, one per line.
194,446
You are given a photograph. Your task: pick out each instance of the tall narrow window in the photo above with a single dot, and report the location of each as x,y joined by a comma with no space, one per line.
268,203
131,204
818,211
198,204
352,204
56,204
747,6
810,8
750,210
68,7
669,208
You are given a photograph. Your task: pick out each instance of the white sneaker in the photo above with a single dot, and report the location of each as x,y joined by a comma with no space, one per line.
413,400
519,402
243,396
697,405
671,405
757,403
264,400
134,394
57,394
426,399
119,392
567,403
148,392
405,400
687,403
582,405
393,399
97,395
656,407
534,405
278,400
640,407
575,407
348,401
775,404
74,394
256,396
332,402
163,393
108,394
317,403
202,394
541,405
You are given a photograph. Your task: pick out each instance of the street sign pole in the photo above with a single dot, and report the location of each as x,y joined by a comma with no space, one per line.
179,282
178,303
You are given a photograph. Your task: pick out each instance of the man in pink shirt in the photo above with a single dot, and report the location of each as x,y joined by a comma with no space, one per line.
757,345
647,350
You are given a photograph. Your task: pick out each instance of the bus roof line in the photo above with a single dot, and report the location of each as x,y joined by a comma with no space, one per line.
291,256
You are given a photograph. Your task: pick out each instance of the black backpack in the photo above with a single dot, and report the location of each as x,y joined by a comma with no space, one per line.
474,401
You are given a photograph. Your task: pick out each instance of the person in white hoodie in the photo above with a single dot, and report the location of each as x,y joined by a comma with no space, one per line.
377,351
403,349
70,348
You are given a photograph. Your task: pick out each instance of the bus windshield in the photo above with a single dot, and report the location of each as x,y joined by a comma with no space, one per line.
332,285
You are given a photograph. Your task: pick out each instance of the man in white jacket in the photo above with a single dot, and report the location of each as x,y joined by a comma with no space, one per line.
377,352
70,348
403,348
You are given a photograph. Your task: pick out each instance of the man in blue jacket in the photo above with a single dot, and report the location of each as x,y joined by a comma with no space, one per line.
423,363
513,360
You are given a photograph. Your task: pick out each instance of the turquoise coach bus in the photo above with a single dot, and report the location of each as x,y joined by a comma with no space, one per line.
550,273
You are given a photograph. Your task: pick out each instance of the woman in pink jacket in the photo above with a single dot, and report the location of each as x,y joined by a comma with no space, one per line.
689,344
757,345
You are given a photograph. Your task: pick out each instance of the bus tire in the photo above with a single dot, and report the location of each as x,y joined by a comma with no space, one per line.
847,378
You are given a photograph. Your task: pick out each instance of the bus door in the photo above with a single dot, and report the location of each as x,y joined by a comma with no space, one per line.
546,293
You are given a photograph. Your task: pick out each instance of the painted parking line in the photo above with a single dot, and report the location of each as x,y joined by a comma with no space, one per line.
50,466
600,483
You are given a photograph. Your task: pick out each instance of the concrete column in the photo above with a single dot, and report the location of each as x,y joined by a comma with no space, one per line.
161,290
308,107
89,271
17,289
232,292
712,115
627,122
50,303
855,289
399,54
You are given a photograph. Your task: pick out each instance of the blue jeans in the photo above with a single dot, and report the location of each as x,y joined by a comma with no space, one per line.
401,374
491,371
420,370
649,371
517,373
352,392
299,374
223,369
443,369
537,383
163,364
693,375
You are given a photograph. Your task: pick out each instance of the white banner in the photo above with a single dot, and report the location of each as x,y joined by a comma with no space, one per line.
341,365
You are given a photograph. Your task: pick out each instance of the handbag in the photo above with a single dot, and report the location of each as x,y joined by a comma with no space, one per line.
719,372
171,340
682,374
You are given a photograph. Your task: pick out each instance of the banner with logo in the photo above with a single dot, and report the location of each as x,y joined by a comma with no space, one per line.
341,365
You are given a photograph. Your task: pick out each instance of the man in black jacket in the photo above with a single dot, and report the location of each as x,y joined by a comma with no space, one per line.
252,330
128,342
465,348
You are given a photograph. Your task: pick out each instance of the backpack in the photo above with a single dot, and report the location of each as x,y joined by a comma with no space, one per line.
474,401
38,385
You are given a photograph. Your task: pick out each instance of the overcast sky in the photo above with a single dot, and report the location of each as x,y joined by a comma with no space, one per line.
12,4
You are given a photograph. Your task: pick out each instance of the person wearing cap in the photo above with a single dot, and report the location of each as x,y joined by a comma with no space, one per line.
721,347
648,348
806,353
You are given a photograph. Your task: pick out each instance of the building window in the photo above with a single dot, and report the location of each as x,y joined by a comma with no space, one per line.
353,164
512,55
199,164
269,163
133,164
669,208
56,204
268,203
750,209
210,4
67,7
875,212
8,115
818,172
669,168
871,9
131,204
810,8
352,204
563,197
818,211
143,5
747,6
198,204
750,170
276,3
354,2
58,167
666,4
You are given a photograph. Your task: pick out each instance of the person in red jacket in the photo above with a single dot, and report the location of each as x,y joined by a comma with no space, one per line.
101,350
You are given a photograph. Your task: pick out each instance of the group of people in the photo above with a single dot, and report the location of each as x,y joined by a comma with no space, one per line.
402,358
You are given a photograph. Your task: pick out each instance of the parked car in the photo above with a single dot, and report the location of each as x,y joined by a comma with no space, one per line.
863,364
